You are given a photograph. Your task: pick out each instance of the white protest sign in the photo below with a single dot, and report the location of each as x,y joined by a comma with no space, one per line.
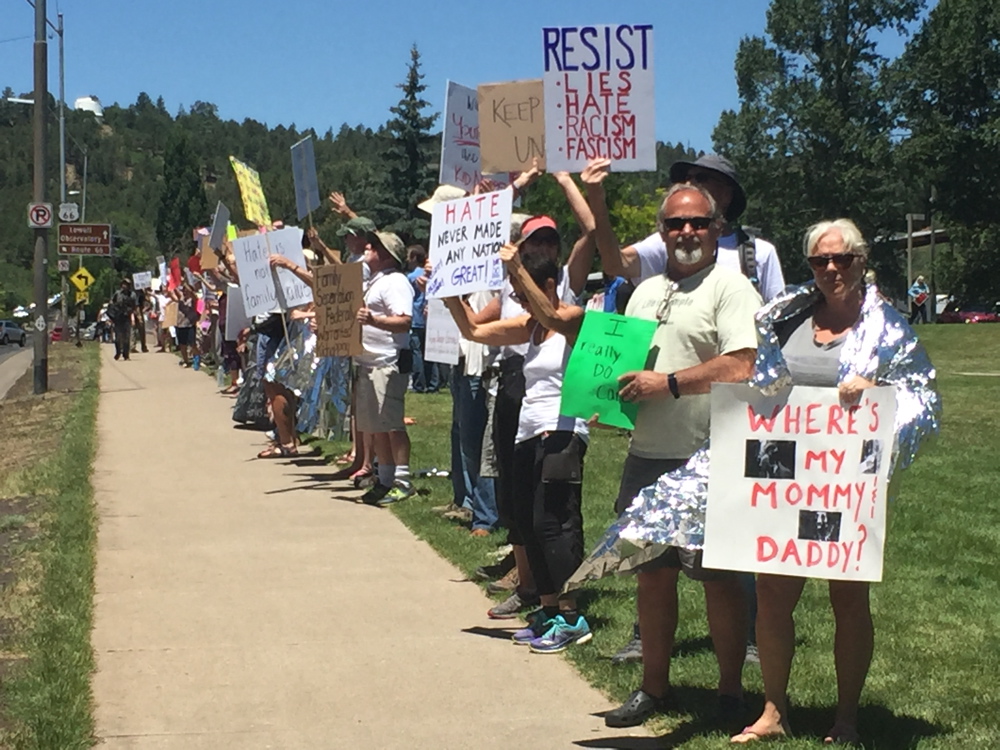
442,334
599,97
256,280
292,290
797,483
236,317
460,156
304,175
142,280
466,237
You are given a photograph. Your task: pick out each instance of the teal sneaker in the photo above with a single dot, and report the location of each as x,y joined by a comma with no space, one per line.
538,625
561,635
395,494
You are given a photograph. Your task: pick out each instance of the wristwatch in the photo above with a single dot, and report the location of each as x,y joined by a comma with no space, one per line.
672,385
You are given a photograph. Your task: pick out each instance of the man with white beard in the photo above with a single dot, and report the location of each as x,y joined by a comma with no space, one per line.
705,334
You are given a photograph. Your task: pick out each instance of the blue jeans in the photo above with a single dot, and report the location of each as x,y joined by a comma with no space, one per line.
468,421
426,376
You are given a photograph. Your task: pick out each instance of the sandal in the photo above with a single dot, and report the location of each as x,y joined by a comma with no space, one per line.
346,460
278,451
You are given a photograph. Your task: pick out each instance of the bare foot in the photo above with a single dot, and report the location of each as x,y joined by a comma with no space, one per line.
759,730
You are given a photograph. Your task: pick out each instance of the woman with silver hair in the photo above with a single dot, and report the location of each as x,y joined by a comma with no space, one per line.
836,332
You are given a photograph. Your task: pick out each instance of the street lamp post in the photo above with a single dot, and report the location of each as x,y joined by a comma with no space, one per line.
41,339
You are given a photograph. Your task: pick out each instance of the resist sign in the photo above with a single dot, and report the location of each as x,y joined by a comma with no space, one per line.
599,96
797,482
466,237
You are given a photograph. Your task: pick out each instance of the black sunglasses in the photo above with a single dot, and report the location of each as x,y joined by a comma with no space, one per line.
677,223
842,261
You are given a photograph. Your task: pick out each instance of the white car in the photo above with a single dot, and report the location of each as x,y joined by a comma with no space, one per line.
10,332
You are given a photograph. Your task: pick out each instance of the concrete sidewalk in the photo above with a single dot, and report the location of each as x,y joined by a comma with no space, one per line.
12,367
249,604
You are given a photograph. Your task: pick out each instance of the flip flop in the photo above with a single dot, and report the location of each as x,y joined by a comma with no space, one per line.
278,451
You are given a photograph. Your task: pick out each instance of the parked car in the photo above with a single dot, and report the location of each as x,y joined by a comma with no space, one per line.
969,313
90,332
10,332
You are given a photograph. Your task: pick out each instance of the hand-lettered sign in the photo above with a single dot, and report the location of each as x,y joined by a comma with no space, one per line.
142,280
256,280
797,482
511,126
442,334
466,237
460,153
606,348
252,192
599,96
338,293
292,291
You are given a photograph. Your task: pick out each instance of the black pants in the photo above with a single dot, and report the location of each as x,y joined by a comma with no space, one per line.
506,413
123,337
547,508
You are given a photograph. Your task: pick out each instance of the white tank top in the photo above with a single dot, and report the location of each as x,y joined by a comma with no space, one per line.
544,367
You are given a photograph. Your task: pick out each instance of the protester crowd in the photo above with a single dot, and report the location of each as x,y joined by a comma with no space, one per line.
717,295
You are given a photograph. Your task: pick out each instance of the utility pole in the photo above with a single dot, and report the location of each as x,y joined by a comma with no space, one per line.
41,338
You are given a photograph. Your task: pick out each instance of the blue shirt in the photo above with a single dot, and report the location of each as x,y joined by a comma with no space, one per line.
419,318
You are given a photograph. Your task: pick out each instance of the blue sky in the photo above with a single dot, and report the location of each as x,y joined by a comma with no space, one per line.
319,64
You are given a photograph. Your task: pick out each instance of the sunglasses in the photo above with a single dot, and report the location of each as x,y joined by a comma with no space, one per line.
842,261
677,223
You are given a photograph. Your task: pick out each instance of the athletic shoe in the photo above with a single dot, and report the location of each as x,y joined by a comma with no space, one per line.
462,515
494,572
395,494
512,606
509,582
365,481
444,508
561,635
538,625
376,493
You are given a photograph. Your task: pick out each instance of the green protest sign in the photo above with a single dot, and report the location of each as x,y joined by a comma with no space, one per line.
607,347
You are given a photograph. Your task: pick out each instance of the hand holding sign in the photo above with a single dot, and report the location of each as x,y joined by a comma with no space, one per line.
642,385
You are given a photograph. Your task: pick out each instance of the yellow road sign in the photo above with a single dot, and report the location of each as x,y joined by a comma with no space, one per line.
82,298
82,279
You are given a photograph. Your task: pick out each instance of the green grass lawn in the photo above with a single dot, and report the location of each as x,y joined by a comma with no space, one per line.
933,683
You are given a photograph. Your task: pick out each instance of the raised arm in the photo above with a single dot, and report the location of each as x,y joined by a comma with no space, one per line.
615,261
319,246
507,332
339,205
565,319
581,258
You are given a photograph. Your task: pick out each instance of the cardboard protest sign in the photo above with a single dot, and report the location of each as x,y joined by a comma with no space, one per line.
797,483
236,316
292,291
304,175
142,280
511,126
442,335
252,192
599,96
207,258
607,347
338,292
169,315
466,237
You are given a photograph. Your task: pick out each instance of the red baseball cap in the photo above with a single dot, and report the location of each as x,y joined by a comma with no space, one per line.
537,224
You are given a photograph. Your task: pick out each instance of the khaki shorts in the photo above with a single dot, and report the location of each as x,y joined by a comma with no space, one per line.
380,394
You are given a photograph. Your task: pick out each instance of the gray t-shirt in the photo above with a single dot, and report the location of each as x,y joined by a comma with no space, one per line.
809,362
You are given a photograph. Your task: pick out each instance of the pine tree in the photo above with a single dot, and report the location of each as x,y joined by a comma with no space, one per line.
183,205
412,156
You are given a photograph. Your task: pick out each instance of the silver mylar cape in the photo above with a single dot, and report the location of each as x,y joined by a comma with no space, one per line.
881,347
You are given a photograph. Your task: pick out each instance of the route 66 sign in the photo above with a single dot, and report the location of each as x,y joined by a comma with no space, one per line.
69,212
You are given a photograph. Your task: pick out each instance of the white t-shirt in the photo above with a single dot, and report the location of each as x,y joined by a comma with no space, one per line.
652,253
511,309
544,367
385,294
706,315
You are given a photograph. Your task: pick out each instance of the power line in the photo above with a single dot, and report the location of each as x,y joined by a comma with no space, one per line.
15,39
